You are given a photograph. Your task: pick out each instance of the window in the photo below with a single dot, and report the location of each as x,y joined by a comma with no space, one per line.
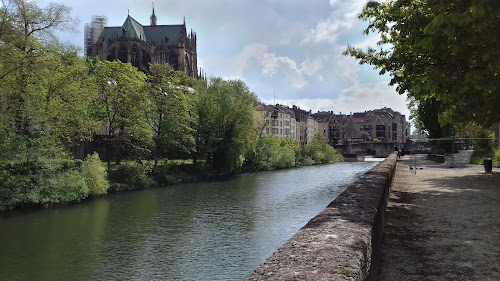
275,131
281,123
275,122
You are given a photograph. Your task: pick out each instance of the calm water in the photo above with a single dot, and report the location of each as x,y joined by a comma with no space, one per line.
203,231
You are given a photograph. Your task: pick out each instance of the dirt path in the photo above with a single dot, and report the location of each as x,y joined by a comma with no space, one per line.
442,224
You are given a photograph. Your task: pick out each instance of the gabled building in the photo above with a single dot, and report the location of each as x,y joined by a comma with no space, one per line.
306,125
143,44
277,120
323,119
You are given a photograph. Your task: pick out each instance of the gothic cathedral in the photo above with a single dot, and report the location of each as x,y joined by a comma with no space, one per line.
141,45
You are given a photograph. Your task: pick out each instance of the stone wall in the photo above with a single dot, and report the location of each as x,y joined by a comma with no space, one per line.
343,241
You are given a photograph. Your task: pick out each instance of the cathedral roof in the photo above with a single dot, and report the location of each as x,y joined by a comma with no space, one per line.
169,35
164,34
133,29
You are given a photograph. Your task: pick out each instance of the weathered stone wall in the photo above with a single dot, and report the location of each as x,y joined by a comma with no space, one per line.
343,241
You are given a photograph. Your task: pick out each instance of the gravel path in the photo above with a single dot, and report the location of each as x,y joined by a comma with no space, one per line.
442,224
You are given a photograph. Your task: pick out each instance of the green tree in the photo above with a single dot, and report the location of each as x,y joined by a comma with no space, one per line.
225,123
320,152
27,53
443,50
121,104
171,96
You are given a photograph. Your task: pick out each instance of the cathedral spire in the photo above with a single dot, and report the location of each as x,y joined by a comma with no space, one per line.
153,16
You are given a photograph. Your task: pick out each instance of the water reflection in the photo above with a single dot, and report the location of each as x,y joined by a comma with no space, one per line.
218,230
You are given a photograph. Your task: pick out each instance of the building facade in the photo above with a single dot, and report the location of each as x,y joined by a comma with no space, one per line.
140,45
385,125
277,120
323,119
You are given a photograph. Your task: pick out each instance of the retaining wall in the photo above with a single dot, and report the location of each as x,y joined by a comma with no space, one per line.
343,241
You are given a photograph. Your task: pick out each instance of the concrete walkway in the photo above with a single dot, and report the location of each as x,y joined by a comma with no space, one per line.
442,224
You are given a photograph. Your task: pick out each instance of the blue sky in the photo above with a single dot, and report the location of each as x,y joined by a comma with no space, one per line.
290,47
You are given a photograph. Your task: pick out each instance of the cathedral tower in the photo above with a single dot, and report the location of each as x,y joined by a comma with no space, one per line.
153,17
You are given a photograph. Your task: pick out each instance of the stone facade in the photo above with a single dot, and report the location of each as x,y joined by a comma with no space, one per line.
140,45
384,124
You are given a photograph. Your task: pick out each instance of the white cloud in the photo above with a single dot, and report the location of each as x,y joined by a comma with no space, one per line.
341,20
358,98
258,56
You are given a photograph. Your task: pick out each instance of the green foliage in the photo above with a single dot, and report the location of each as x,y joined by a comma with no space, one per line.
121,105
375,140
224,128
170,115
266,153
441,50
320,152
164,174
11,145
289,153
43,182
496,157
128,177
95,174
485,140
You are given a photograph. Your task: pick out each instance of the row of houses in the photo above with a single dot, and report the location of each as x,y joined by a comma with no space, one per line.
380,125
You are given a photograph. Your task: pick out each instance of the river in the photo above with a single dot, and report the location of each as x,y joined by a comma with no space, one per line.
219,230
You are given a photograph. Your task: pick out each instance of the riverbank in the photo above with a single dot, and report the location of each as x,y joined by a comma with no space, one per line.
442,224
46,184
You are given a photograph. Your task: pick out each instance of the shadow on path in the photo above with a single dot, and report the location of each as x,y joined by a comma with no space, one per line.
442,225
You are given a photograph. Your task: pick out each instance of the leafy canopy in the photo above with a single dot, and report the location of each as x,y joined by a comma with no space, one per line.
446,50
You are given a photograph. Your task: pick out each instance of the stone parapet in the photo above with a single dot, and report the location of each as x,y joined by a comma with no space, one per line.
343,241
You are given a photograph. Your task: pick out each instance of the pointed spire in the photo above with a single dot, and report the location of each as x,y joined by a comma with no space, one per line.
153,16
184,21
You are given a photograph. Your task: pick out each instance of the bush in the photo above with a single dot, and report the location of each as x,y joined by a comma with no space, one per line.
65,187
129,176
42,182
95,174
496,157
163,174
320,152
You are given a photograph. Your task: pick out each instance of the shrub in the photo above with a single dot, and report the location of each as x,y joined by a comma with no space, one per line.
65,187
163,174
129,176
95,174
286,158
320,152
42,182
496,157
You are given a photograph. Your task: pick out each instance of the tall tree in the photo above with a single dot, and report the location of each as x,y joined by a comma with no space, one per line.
27,51
445,50
225,123
171,96
121,105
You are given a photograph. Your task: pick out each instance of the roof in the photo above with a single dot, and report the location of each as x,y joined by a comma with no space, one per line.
164,34
155,35
133,29
323,116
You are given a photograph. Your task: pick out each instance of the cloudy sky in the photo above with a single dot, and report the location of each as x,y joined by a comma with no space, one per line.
292,48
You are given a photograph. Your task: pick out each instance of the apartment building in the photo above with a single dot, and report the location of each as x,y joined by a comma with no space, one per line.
278,120
385,124
323,120
306,125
